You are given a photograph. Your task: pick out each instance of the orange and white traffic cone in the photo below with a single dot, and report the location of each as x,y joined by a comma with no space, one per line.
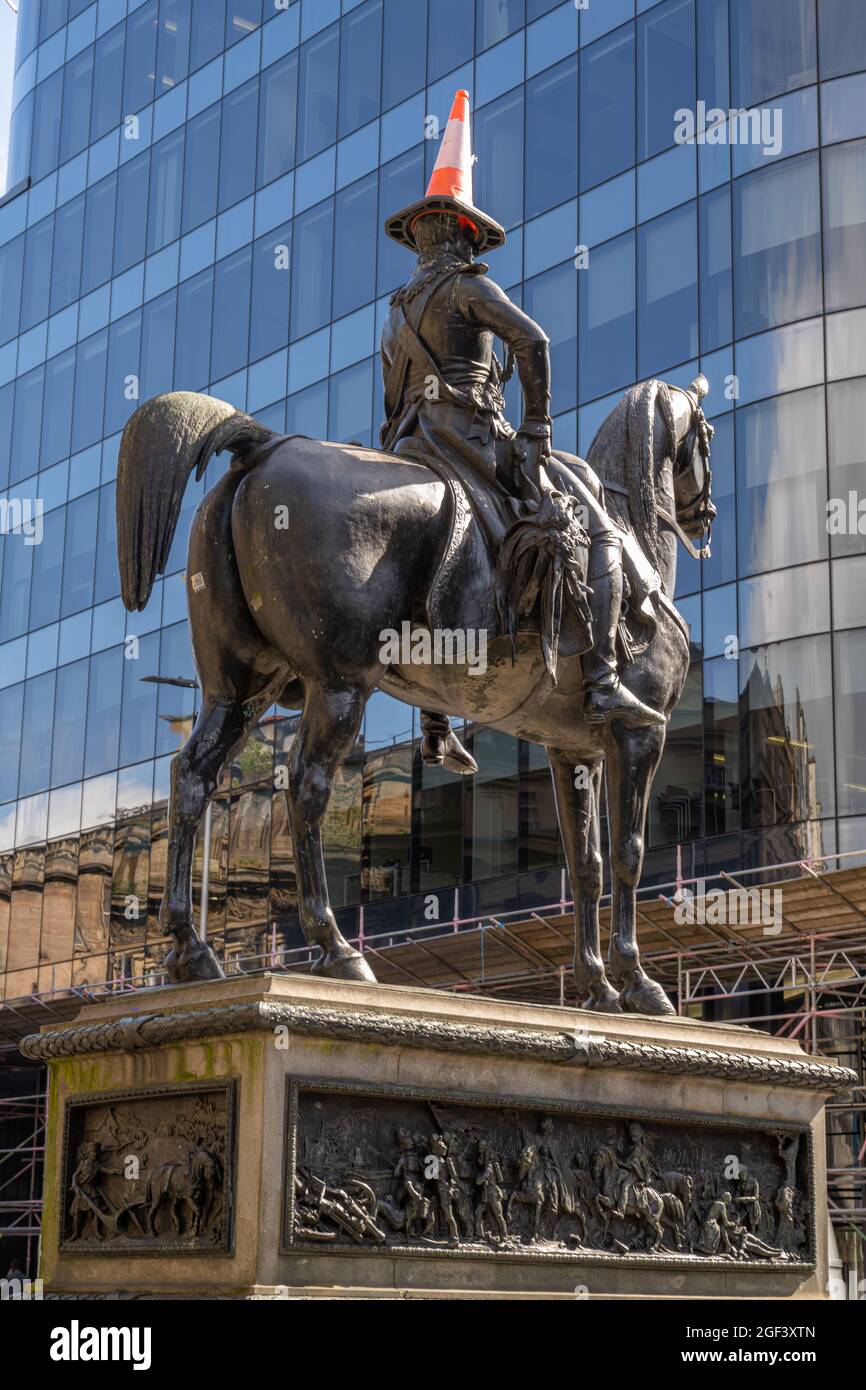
450,187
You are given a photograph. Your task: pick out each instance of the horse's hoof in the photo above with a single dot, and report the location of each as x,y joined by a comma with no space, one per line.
646,997
192,962
345,964
603,1001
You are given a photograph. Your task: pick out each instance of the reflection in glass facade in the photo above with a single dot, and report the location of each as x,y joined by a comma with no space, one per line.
197,189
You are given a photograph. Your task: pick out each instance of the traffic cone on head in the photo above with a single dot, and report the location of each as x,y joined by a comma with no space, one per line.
450,188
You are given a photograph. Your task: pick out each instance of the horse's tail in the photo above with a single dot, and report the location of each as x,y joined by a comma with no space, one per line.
166,439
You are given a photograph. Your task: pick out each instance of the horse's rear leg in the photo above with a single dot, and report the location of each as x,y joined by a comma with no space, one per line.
326,735
577,784
195,771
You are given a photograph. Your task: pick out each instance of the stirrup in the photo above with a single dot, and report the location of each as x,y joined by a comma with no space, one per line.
616,702
448,753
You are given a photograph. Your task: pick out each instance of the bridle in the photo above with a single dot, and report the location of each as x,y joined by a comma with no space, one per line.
700,510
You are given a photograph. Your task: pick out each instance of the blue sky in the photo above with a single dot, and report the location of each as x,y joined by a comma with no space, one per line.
7,54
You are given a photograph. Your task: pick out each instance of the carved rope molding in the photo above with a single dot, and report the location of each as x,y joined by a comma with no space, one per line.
152,1030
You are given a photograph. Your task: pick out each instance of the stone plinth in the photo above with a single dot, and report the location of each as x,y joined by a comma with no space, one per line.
291,1136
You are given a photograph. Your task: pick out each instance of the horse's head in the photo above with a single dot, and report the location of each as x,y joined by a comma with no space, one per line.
692,477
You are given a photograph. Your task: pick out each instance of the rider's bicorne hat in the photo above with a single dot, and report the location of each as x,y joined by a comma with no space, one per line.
450,188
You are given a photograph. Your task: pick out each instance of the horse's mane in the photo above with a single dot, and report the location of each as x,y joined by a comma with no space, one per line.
623,453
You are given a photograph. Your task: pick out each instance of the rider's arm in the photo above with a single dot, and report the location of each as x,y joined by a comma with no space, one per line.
482,300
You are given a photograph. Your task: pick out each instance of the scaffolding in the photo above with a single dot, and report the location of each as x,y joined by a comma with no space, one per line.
799,971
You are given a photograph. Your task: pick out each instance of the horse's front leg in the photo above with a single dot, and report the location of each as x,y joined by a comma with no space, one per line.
326,734
632,760
576,785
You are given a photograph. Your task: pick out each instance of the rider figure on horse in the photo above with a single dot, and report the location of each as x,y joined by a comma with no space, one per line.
443,398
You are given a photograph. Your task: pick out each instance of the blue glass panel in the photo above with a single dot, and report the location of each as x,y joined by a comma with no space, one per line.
496,19
714,69
7,403
66,266
28,28
237,165
277,119
551,299
842,36
312,269
11,707
130,226
606,315
773,44
845,225
360,66
450,36
11,266
172,59
206,36
124,338
47,571
201,168
103,711
89,391
782,360
57,426
79,553
166,192
307,412
192,350
777,245
355,239
843,109
607,137
498,173
67,759
536,8
666,73
46,126
400,182
138,720
77,83
15,591
317,93
242,17
715,256
269,319
98,234
231,314
27,429
350,404
404,50
107,82
668,290
782,482
38,711
139,75
52,13
106,584
551,144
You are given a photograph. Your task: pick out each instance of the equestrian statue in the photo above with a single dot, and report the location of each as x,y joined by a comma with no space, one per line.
307,554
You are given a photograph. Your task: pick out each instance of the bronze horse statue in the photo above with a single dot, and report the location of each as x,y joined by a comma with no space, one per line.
305,552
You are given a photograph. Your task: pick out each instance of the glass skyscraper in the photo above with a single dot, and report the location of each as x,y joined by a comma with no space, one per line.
197,192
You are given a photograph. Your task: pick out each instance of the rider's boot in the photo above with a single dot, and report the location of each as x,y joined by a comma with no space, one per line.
442,748
605,695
